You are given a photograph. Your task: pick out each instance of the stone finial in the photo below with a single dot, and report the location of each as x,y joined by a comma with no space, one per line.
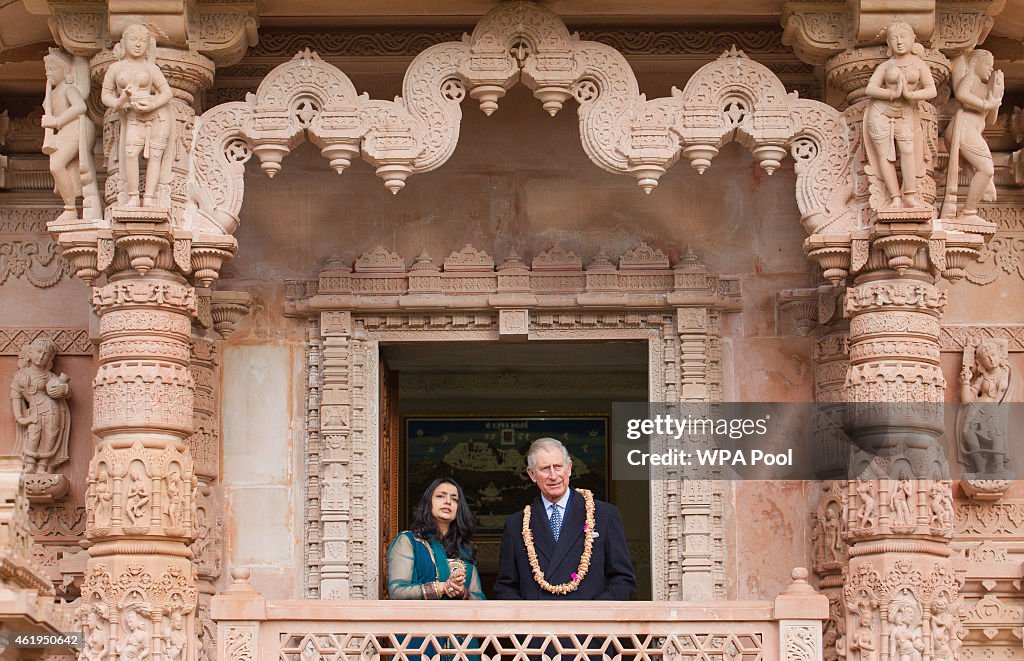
802,306
227,308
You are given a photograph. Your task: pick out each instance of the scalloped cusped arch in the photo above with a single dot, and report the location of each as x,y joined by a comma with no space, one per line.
731,98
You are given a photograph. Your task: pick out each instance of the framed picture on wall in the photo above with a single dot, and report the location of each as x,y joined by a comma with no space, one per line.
487,456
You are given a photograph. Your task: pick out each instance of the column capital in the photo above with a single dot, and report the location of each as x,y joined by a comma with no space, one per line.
819,31
222,31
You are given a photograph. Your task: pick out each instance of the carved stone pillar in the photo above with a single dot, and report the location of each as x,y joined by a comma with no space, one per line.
140,583
153,396
348,563
900,588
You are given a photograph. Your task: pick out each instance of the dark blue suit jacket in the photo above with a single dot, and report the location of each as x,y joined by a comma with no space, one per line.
610,575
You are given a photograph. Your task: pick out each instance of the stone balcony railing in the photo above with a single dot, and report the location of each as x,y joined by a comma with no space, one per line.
251,627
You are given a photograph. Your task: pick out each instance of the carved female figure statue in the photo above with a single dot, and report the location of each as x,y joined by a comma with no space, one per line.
136,89
833,540
985,380
899,502
135,646
102,499
39,399
978,88
69,134
905,641
137,501
174,503
97,634
891,120
863,639
174,637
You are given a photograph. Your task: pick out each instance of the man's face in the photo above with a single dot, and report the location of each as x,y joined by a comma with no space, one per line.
550,473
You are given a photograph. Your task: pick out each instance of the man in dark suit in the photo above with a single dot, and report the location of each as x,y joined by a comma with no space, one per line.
557,520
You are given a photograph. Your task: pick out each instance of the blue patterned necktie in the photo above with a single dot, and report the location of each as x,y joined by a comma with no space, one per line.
556,521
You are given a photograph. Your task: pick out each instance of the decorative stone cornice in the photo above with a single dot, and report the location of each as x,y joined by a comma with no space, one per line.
471,280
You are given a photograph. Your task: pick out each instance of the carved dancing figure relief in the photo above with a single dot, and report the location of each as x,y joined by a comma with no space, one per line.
97,633
892,121
136,89
899,502
940,505
945,641
978,89
69,135
905,640
39,399
135,644
137,500
985,381
866,515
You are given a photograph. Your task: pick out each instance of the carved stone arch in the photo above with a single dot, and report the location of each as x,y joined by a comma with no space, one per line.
305,93
433,91
732,98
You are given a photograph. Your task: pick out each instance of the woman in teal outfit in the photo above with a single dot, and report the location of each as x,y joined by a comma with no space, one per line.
435,559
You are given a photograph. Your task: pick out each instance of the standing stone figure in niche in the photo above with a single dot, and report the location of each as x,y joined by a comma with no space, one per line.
136,89
985,381
69,135
134,646
905,640
39,399
137,501
978,88
892,127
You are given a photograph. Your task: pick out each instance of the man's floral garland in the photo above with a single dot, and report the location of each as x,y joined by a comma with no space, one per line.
588,547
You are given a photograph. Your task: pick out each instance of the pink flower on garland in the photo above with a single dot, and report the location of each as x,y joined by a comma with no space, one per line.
575,576
585,527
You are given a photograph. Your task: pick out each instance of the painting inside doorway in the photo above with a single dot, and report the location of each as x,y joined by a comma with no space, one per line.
487,456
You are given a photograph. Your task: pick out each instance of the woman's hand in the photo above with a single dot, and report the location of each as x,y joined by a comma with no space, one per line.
49,122
455,586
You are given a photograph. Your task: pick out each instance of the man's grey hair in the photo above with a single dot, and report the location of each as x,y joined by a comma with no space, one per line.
546,443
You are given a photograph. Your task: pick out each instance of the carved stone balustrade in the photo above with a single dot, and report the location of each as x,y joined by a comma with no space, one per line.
787,628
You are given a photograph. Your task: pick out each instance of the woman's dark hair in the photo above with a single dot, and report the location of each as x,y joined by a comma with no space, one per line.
458,543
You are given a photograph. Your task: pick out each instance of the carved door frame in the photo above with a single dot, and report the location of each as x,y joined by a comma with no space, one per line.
350,312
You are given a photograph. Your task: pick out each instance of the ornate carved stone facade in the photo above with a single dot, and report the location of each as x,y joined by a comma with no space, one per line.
886,185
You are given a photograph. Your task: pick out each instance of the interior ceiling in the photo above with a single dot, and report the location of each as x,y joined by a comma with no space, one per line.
528,356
